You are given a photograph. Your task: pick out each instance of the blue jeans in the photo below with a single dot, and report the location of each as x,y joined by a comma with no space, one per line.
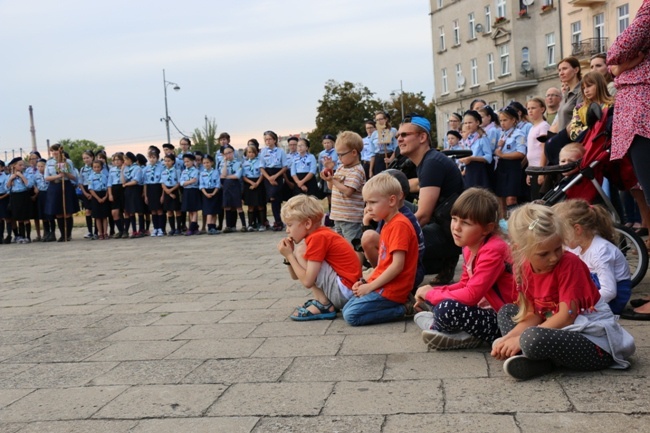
370,309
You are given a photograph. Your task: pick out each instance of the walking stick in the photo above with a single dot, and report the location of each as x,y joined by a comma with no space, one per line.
63,169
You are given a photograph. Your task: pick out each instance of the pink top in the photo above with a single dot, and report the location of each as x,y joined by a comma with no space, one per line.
535,147
631,116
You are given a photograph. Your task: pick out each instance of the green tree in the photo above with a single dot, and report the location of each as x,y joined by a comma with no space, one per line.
344,107
76,148
205,139
413,103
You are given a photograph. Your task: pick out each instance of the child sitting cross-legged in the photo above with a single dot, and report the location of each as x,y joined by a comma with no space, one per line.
465,313
325,262
383,297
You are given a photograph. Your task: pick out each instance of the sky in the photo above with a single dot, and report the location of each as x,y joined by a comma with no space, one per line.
94,70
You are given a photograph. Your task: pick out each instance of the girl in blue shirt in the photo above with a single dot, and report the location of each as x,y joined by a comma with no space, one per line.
4,203
153,193
131,178
116,195
84,175
254,195
273,164
42,186
328,155
191,202
60,173
303,170
19,187
231,173
511,150
476,166
98,188
169,179
209,183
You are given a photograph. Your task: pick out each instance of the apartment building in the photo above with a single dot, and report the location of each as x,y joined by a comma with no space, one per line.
590,26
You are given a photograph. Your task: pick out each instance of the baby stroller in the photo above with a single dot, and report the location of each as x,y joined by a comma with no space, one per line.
586,184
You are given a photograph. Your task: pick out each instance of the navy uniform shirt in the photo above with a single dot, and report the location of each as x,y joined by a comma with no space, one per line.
273,158
133,172
152,173
170,176
304,164
98,181
188,174
209,179
114,176
251,168
17,184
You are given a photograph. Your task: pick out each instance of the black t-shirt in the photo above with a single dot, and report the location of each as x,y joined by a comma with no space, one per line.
436,169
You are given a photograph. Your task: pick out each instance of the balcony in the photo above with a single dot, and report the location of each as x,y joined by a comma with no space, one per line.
587,3
588,47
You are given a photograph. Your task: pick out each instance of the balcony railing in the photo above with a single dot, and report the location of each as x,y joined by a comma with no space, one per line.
589,47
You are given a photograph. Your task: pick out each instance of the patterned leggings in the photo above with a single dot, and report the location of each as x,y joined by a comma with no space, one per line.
452,316
568,349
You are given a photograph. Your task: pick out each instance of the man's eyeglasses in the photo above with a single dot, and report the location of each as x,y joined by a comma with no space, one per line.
406,134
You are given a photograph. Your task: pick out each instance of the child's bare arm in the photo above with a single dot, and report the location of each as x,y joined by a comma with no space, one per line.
392,271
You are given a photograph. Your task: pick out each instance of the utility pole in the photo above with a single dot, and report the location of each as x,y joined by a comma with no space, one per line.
32,129
207,141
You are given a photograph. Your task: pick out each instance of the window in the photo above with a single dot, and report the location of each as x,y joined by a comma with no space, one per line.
550,49
445,82
474,68
460,80
490,63
439,4
488,19
623,13
547,3
504,57
456,33
472,26
442,39
501,8
525,54
576,34
599,33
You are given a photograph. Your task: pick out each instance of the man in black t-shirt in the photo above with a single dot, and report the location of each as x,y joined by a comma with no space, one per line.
439,183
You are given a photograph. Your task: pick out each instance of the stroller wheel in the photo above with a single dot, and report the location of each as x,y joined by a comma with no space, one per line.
635,252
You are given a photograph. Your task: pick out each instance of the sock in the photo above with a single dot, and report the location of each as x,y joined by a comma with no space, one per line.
212,226
141,223
28,230
61,223
68,226
2,229
119,223
147,223
95,226
132,221
46,228
162,222
14,228
172,222
182,221
251,218
21,229
260,217
275,207
220,216
89,223
242,219
111,224
194,227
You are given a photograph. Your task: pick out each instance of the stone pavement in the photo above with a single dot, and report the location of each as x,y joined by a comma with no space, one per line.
192,335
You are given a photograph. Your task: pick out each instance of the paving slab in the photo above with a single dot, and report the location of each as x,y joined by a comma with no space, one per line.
243,424
587,422
435,365
299,346
217,349
161,401
321,424
451,423
135,350
79,426
147,372
240,370
336,368
623,394
57,375
216,331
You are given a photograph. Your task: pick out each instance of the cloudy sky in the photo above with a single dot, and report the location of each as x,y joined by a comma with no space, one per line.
93,70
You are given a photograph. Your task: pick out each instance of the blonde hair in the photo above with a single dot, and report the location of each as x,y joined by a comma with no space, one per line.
574,148
478,205
594,219
383,184
303,207
528,226
351,140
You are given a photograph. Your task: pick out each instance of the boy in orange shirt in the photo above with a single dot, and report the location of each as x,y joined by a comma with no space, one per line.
325,262
383,297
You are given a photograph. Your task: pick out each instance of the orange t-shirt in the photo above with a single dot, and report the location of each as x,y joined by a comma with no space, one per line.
325,245
397,235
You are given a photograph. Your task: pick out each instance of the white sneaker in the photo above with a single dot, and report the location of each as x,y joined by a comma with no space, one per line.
424,320
161,233
88,236
443,341
522,368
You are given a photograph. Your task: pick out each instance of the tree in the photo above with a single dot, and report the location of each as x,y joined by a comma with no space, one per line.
76,148
344,107
413,103
205,140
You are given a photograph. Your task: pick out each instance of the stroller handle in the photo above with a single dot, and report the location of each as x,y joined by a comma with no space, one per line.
553,168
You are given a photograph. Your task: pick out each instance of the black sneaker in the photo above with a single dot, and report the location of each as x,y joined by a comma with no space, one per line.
522,368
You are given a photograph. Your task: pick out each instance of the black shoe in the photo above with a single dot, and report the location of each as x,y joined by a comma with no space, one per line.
61,239
7,240
522,368
636,303
633,315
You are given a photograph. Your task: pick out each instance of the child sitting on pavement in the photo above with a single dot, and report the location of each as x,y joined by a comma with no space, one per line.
325,262
383,297
465,313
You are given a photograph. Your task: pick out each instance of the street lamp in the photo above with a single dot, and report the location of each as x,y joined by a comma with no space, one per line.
177,88
401,96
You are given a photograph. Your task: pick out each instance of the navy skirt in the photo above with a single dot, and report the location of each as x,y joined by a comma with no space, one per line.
273,192
477,175
172,204
509,176
117,191
100,210
41,199
54,202
191,200
254,197
312,185
133,202
231,193
20,204
209,206
4,208
154,192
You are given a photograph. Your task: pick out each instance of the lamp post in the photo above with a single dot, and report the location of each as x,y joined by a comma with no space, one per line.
401,96
177,88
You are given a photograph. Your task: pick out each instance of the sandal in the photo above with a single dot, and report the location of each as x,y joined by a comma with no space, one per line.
303,314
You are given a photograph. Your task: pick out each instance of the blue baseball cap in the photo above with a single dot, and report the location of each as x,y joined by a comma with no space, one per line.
422,122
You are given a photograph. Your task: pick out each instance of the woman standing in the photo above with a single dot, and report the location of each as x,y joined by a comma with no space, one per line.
536,108
59,172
